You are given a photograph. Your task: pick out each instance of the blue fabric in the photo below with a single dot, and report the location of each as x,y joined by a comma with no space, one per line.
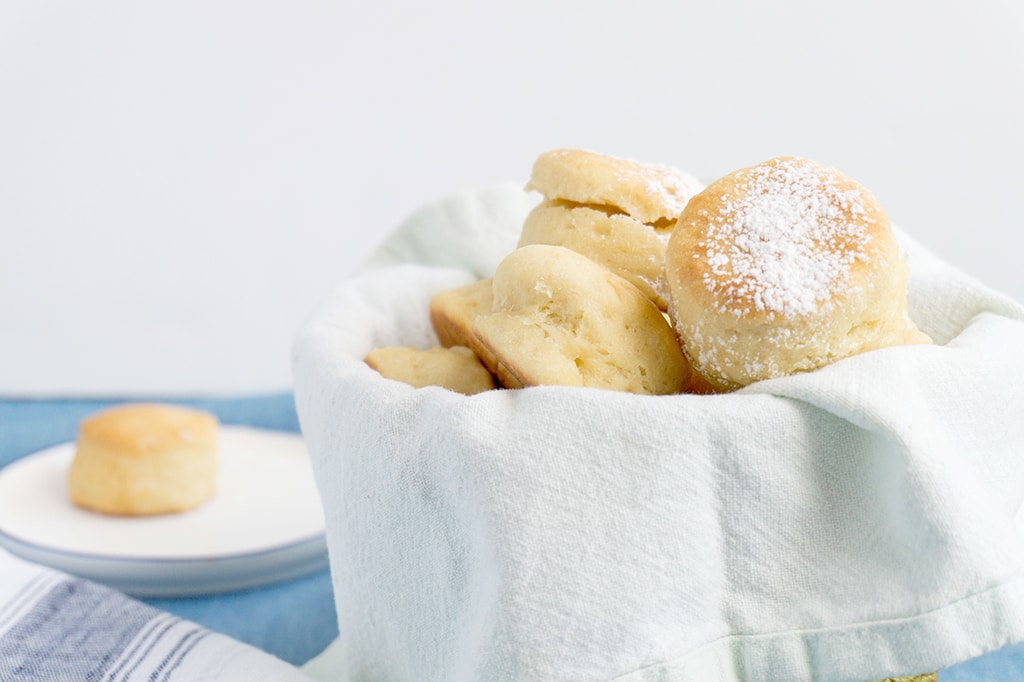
1003,665
294,620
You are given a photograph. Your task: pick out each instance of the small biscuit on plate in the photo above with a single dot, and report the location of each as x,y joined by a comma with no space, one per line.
144,459
558,318
456,368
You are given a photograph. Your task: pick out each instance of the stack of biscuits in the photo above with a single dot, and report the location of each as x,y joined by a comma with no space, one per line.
635,277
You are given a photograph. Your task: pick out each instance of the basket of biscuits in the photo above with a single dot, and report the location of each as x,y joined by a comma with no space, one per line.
618,424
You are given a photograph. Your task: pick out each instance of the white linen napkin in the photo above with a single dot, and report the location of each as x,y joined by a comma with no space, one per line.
850,524
56,627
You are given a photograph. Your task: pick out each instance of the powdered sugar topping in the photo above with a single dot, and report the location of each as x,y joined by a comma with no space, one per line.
786,243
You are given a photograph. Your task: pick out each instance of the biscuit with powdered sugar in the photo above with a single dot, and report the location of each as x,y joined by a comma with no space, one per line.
783,267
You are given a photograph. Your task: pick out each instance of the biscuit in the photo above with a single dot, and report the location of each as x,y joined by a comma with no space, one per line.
456,368
784,267
626,246
144,459
617,212
649,193
558,318
452,312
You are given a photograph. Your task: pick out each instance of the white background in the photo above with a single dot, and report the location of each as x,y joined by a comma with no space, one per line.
181,183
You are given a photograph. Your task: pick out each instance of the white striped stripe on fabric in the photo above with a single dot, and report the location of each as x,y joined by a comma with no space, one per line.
16,602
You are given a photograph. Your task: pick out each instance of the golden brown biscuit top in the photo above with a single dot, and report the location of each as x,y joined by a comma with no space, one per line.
784,237
143,428
648,192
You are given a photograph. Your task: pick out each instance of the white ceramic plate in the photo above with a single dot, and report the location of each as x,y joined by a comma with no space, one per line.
264,525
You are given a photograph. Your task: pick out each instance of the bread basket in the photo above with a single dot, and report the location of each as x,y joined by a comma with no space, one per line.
854,523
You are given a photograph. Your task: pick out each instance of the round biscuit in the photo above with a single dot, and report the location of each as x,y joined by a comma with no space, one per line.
783,267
